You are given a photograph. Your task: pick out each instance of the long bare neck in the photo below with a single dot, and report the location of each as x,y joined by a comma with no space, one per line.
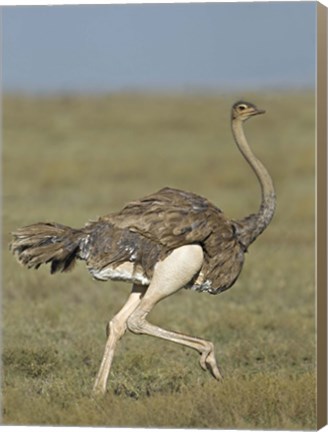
253,225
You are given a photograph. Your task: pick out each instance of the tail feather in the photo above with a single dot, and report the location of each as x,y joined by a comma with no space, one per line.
43,243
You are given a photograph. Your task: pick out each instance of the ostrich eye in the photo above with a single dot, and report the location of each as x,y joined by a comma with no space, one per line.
242,107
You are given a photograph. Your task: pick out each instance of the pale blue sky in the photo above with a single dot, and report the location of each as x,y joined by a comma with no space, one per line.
213,46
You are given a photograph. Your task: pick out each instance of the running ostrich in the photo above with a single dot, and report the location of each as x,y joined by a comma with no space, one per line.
161,243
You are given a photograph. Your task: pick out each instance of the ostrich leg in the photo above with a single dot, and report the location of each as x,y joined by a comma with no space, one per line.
116,329
169,276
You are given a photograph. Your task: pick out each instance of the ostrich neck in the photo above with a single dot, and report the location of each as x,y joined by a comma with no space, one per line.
251,226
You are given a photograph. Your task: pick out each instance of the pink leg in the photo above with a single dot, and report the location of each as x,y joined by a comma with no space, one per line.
116,329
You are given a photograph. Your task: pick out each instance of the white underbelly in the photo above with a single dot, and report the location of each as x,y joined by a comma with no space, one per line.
127,272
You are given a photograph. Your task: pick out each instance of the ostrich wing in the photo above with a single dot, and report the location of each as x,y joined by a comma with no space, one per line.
172,218
147,230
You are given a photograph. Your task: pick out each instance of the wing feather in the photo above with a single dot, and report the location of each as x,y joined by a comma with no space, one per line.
170,217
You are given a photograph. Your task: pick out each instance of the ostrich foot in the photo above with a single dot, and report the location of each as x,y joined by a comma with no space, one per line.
208,362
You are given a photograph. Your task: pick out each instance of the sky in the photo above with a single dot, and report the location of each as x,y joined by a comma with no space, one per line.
179,47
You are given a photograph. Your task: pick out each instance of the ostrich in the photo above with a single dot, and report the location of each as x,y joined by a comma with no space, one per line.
161,243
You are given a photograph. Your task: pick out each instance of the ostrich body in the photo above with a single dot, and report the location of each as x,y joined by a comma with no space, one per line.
161,243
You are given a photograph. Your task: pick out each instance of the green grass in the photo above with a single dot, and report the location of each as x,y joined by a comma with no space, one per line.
71,159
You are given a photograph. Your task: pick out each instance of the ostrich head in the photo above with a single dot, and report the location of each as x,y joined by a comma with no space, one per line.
244,110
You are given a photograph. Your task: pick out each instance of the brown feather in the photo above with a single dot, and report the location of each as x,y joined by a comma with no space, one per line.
143,232
42,243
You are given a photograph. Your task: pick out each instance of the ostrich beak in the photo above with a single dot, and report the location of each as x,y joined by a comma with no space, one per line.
260,111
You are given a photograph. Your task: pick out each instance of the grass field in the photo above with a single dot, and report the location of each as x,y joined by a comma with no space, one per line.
71,159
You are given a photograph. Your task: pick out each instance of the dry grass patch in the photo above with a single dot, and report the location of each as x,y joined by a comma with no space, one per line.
71,159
